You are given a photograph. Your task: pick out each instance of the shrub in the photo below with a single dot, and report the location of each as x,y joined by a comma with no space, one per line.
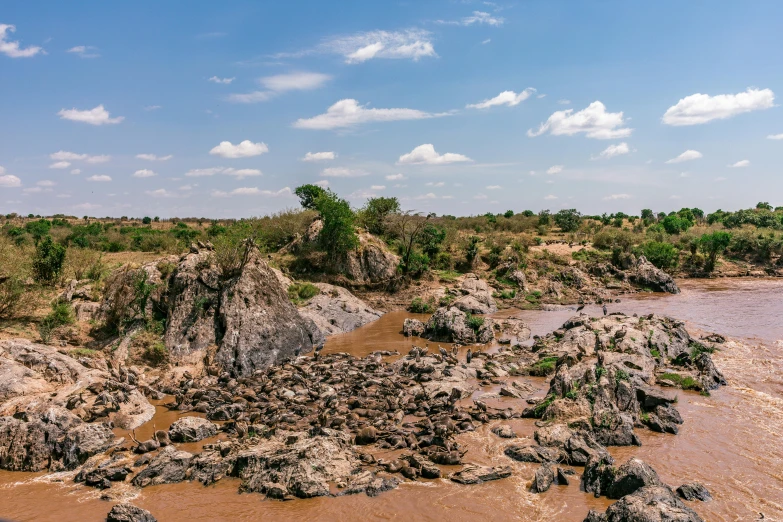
337,236
48,261
156,353
420,306
713,245
662,255
472,249
302,292
16,298
543,367
373,215
568,220
686,383
147,220
84,263
674,224
474,322
308,195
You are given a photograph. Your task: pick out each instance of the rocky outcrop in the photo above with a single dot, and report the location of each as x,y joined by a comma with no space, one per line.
167,467
477,296
694,491
472,474
413,328
371,263
336,310
647,504
129,513
192,429
452,325
647,275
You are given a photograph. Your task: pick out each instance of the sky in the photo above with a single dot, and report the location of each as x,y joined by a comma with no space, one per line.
207,109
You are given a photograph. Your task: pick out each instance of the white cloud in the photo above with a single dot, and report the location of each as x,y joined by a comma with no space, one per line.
493,187
63,196
187,187
46,183
160,193
144,173
319,156
395,177
612,197
67,156
197,173
297,81
478,17
153,157
613,150
688,155
348,112
98,159
60,165
99,178
96,116
425,155
775,137
76,171
223,81
153,107
702,108
242,173
509,98
245,149
555,169
378,187
32,190
480,196
9,180
322,183
433,184
342,172
485,42
740,164
251,97
550,197
412,44
594,121
251,191
84,51
87,206
564,102
63,159
13,49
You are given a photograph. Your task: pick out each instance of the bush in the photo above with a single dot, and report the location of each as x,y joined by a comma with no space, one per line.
662,255
713,245
302,292
157,354
83,263
674,224
337,236
373,215
308,195
420,306
474,322
16,298
568,220
147,220
48,261
543,367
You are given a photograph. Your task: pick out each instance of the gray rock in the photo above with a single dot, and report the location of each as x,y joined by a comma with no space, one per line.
535,454
477,297
647,275
545,477
694,491
648,504
504,431
129,513
472,474
450,324
336,310
192,429
629,477
413,328
167,467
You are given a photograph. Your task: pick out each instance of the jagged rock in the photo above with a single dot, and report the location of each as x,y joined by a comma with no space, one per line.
370,484
167,467
648,504
512,331
562,479
413,328
629,477
86,311
129,513
647,275
371,262
477,298
663,419
336,310
535,454
694,491
472,474
518,276
450,325
192,429
710,376
504,431
544,478
650,398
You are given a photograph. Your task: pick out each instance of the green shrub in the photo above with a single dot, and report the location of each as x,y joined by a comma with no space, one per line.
302,292
568,220
543,367
156,353
686,383
48,261
662,255
474,322
420,306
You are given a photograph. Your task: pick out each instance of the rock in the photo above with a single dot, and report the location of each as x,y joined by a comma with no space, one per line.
192,429
710,376
86,311
533,454
647,275
477,298
413,328
129,513
694,491
85,440
649,504
450,325
336,310
562,479
512,331
650,398
259,324
518,276
545,477
504,431
371,262
629,477
664,419
167,467
472,474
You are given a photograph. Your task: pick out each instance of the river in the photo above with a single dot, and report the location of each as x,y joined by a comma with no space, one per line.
731,440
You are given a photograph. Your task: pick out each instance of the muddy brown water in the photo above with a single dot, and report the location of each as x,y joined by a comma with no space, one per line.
731,441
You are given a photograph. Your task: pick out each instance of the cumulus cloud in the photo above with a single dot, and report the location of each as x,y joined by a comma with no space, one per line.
46,183
395,177
64,158
242,173
87,206
697,109
478,17
319,156
100,178
412,44
342,172
378,187
76,171
198,173
550,197
593,121
67,156
222,81
425,155
153,157
564,102
144,173
163,193
740,164
245,149
98,159
9,180
555,169
688,155
251,191
348,112
84,51
280,83
97,116
60,165
32,190
509,98
613,150
250,97
612,197
153,107
14,49
775,137
322,183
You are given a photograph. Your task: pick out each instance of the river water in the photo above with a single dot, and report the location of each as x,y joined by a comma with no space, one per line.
731,441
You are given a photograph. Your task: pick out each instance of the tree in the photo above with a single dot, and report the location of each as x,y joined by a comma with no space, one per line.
376,211
147,220
509,214
568,219
528,213
713,245
308,194
38,229
674,224
431,239
48,261
544,217
408,227
662,255
338,236
647,214
763,205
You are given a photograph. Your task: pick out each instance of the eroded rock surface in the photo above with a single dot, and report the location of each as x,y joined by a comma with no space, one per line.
336,310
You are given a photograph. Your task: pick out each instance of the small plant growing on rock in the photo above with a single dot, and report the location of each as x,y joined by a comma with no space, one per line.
156,353
300,293
543,367
420,306
474,322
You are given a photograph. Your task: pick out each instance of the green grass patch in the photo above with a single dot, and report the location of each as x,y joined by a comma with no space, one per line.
686,383
82,352
420,306
447,276
300,293
475,322
543,367
505,294
541,407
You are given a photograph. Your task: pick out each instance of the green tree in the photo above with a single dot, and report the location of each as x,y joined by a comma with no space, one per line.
408,228
568,219
431,239
647,214
509,214
713,245
763,205
544,217
38,229
528,213
48,261
147,220
308,195
662,255
674,224
338,235
375,212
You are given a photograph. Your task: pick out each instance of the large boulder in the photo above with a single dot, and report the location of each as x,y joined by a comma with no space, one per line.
477,296
452,325
336,310
371,263
648,504
129,513
167,467
647,275
473,474
192,429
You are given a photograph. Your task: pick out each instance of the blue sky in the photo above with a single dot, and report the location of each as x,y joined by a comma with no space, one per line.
210,109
